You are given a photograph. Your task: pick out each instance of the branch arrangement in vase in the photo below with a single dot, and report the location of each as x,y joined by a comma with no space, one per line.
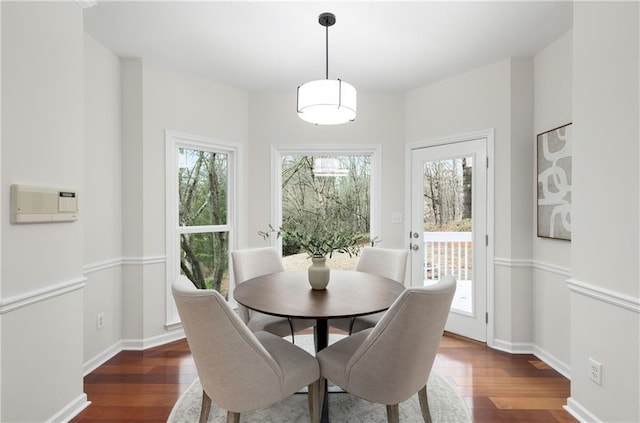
319,240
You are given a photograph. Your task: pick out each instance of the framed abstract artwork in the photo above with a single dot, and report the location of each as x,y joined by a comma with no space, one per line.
554,183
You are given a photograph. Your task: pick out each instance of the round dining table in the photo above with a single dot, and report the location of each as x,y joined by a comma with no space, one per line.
288,294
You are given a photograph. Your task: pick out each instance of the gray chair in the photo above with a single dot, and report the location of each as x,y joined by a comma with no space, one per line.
251,263
390,263
240,370
389,363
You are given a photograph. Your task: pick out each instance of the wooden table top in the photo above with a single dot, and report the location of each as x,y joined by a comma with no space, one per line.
288,294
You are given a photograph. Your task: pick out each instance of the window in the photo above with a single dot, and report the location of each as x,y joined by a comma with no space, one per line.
200,183
336,186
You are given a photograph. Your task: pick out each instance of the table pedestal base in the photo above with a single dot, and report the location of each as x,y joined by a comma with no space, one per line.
321,336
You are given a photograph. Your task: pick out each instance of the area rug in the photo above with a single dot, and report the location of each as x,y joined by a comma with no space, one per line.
445,404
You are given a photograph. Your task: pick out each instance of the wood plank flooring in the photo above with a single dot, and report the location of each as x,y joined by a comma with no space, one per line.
142,386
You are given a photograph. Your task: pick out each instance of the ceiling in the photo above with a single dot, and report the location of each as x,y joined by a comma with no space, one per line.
375,46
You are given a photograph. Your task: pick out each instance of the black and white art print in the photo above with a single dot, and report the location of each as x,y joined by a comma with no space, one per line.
554,183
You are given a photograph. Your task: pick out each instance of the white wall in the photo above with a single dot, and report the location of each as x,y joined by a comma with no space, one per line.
102,200
273,122
132,183
42,113
103,153
2,213
551,258
497,96
473,101
156,99
521,180
605,296
42,281
129,104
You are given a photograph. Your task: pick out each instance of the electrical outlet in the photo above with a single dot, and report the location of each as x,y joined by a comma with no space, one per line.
99,321
595,371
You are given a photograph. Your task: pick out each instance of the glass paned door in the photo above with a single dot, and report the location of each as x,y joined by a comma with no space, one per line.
449,228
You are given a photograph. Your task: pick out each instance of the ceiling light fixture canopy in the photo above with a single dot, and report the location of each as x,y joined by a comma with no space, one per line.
326,101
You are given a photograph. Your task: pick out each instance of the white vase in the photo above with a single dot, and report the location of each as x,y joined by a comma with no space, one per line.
319,273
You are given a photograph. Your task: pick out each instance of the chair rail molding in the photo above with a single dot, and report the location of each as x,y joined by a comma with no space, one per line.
608,296
144,260
533,264
120,261
86,4
102,265
26,299
508,262
552,268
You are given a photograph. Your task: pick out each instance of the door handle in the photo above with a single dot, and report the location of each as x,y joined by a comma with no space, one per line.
415,247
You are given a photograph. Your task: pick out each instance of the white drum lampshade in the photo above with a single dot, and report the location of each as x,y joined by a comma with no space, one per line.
327,102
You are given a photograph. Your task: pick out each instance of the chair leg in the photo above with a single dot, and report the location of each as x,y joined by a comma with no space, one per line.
205,409
315,340
293,340
233,417
353,320
393,414
316,398
424,404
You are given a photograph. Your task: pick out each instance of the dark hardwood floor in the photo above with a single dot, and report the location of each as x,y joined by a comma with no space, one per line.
142,386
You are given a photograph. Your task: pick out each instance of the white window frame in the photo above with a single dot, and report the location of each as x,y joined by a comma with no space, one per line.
173,141
375,151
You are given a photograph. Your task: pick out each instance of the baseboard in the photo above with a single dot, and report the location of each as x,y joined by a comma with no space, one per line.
143,344
583,415
557,365
530,348
513,347
131,345
102,358
70,410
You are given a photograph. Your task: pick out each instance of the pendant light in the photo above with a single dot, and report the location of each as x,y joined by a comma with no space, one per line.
326,101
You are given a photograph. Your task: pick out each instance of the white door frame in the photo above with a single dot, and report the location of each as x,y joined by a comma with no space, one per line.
489,135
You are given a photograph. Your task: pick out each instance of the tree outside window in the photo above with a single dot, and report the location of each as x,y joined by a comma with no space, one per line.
333,189
203,213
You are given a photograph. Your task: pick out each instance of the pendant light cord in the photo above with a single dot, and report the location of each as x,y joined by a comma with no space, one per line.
326,19
327,52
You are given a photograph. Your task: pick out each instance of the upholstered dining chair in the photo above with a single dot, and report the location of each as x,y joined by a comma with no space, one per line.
387,262
253,262
409,332
241,370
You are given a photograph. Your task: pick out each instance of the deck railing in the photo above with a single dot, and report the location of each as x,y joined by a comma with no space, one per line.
447,253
